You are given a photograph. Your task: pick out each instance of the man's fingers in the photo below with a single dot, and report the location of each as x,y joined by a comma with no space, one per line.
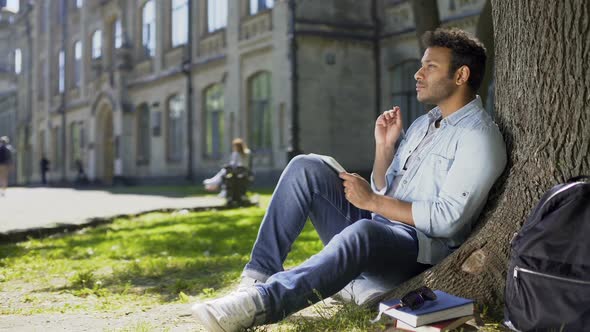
392,115
398,113
345,176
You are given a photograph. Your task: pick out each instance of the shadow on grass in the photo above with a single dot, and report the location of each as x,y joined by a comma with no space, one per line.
168,191
11,250
160,253
343,317
188,190
179,236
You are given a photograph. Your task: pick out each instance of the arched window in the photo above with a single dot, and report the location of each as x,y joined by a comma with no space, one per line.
18,61
175,128
259,119
57,161
403,90
260,5
77,62
75,143
62,71
179,22
214,121
117,34
97,44
143,134
216,14
42,73
148,30
12,5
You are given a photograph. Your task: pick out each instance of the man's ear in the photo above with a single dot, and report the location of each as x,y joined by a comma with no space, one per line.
462,75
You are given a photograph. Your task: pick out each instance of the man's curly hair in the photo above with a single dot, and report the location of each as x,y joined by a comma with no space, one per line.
466,50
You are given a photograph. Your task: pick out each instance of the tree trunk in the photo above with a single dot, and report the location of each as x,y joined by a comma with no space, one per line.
425,17
485,33
543,110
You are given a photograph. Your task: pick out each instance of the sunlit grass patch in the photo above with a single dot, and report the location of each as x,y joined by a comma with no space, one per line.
147,260
345,317
141,262
138,327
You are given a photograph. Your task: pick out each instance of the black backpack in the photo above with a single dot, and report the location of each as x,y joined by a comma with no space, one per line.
548,281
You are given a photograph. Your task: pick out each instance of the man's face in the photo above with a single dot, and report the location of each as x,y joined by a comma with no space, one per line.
433,84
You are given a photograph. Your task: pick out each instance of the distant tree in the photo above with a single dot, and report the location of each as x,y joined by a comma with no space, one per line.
485,33
542,104
425,17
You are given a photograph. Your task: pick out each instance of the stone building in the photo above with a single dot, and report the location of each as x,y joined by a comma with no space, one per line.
125,89
11,65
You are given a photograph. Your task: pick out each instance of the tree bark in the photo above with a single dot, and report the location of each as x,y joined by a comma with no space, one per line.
543,110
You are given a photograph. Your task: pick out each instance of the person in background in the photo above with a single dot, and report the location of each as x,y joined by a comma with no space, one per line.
240,156
44,166
5,163
81,177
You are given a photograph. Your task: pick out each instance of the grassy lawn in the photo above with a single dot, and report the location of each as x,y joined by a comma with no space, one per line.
172,191
150,260
153,259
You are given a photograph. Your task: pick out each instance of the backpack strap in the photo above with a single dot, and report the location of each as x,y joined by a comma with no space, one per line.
578,178
573,182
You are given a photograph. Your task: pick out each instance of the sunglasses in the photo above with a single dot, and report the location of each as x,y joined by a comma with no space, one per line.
416,298
413,300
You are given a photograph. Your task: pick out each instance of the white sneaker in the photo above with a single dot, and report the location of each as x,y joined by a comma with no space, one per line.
234,312
246,282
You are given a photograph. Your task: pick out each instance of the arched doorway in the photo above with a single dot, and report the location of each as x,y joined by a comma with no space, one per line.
105,152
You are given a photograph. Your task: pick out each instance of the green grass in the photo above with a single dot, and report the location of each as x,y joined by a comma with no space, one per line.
148,260
153,259
172,191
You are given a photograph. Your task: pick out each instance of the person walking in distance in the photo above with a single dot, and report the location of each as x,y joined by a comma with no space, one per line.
5,163
44,166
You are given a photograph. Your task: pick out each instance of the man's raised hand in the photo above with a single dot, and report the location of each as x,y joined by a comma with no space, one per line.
388,127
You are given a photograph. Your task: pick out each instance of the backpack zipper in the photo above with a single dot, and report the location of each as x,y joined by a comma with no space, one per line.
527,226
518,269
566,187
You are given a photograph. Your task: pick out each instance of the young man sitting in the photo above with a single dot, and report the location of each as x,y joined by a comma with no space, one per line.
423,197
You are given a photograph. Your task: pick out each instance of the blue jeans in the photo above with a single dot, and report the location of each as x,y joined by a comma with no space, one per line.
354,243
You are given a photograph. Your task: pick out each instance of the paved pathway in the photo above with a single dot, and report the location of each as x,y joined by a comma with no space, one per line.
33,208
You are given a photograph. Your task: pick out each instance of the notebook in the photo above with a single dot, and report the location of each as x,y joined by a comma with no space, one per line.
445,307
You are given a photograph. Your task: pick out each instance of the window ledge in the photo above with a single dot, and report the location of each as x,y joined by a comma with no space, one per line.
143,67
256,25
174,56
212,43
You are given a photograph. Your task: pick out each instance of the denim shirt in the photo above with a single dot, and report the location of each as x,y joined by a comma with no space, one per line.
449,179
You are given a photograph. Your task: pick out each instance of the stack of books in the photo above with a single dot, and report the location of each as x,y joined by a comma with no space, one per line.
446,313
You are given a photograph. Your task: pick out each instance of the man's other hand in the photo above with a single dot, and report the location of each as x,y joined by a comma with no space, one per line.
388,127
357,190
